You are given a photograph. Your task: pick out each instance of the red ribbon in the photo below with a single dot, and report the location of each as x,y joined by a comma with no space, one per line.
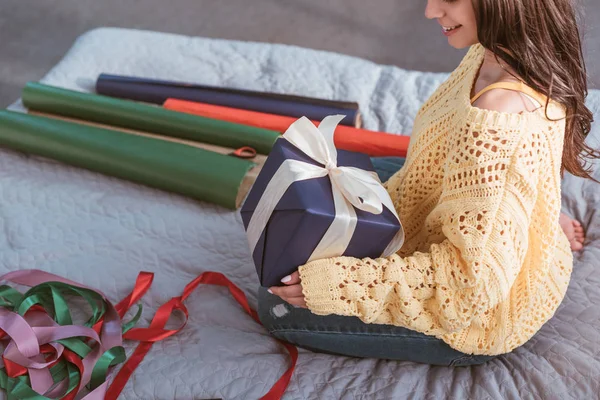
245,152
75,360
142,284
13,369
156,332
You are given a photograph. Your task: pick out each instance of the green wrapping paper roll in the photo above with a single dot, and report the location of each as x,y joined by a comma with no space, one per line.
174,167
154,119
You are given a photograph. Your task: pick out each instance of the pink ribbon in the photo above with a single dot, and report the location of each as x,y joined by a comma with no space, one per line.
37,328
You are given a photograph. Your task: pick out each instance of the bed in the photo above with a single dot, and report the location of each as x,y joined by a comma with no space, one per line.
102,231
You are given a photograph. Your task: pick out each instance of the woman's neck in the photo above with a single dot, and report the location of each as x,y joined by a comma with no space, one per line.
494,70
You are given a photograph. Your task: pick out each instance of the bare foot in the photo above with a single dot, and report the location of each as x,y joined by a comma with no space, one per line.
573,230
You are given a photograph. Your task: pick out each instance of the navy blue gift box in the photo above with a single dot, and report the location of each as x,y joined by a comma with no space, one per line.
304,214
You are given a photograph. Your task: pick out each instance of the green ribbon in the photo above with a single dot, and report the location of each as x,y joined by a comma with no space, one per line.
134,320
110,358
19,388
52,297
9,297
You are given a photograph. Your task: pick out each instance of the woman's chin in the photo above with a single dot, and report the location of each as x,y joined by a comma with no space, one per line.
460,43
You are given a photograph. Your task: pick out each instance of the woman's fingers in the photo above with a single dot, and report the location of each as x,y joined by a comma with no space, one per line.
292,279
579,234
287,291
297,301
291,292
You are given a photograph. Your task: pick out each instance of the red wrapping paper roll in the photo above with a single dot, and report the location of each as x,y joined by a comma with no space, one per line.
375,144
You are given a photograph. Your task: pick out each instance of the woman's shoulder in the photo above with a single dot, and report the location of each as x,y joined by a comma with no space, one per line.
507,94
505,100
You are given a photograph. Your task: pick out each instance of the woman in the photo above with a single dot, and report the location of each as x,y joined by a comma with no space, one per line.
485,262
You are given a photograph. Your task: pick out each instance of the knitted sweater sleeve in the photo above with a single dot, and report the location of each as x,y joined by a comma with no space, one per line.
488,194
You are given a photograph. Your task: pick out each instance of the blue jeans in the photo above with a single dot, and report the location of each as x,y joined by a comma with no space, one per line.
387,166
349,336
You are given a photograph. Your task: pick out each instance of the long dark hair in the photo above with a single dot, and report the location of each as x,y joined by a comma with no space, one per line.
540,40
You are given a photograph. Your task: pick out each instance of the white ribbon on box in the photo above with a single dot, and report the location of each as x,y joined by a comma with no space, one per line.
352,187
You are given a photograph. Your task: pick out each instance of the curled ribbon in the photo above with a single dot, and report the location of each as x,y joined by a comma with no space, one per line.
351,187
47,357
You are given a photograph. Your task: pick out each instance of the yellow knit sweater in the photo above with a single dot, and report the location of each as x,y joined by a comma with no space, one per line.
485,263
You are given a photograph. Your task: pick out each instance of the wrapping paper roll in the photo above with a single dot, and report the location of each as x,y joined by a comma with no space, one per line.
374,144
162,164
158,91
144,117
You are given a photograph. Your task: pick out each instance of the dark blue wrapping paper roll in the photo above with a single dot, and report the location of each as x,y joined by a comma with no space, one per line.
158,91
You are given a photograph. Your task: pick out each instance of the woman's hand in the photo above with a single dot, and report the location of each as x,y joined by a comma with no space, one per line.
292,291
